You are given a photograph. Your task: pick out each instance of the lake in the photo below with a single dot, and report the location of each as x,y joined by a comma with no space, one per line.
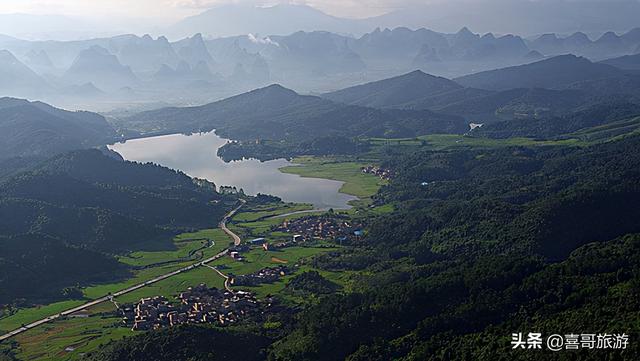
196,155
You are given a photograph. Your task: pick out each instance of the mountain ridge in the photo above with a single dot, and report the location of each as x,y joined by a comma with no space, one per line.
275,112
550,73
38,129
395,91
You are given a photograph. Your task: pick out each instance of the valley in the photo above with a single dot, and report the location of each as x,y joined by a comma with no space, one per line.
320,188
166,273
76,328
73,328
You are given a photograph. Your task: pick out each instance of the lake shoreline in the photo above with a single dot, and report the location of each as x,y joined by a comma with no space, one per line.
196,155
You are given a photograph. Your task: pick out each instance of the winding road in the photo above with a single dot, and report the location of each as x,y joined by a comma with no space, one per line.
226,278
222,225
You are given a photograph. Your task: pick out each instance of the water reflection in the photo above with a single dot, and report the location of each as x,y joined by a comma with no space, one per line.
196,155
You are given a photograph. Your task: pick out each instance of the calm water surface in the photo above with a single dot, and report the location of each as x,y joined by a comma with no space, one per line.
196,155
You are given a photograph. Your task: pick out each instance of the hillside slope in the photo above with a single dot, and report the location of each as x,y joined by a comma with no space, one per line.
88,205
394,92
37,129
278,113
552,73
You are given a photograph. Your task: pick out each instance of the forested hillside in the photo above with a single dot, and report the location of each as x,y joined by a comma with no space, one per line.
86,205
550,127
497,242
187,343
397,92
551,87
553,73
35,129
35,268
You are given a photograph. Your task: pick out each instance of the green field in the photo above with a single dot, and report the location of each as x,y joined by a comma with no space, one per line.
257,221
609,132
356,183
584,137
445,141
186,244
258,259
170,287
270,210
28,315
50,342
349,171
341,278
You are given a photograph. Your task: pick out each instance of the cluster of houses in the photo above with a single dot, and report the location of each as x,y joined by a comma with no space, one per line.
236,252
320,227
384,174
198,304
230,190
265,275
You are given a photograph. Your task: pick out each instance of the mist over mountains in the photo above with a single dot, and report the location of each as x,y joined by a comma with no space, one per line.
500,16
234,48
408,105
142,71
525,17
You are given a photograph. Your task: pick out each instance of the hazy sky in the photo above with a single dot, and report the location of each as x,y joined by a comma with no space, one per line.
174,9
524,17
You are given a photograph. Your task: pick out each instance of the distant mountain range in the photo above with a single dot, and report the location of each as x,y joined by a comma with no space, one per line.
415,103
241,18
144,54
101,68
412,104
608,45
552,86
525,17
404,106
17,78
128,70
282,19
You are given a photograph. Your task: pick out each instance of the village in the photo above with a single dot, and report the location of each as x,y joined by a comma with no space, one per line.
384,174
197,305
325,227
265,275
204,305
